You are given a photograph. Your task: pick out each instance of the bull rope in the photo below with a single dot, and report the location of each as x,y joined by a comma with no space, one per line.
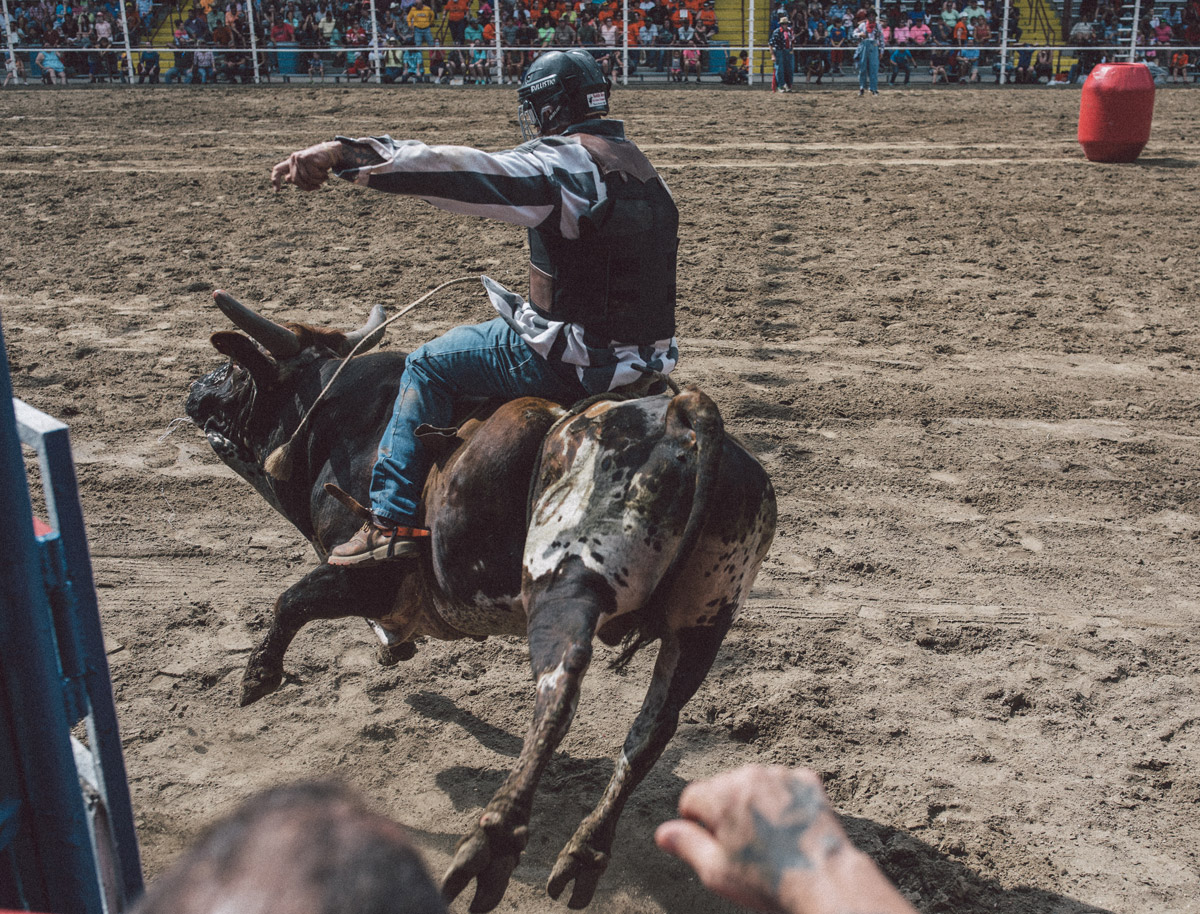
279,463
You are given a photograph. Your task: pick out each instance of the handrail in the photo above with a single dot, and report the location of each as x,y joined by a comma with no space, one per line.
1041,19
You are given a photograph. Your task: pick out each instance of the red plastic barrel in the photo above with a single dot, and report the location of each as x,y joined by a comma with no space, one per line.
1115,112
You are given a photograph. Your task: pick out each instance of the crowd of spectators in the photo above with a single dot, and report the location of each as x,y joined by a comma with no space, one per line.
951,40
68,37
957,40
1162,32
416,41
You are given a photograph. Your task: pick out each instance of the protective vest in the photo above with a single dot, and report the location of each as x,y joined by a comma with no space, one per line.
617,281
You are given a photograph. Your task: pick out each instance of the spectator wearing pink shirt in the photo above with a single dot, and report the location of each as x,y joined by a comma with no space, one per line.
919,33
899,34
104,29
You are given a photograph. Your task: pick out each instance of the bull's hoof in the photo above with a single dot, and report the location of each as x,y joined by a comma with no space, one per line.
257,683
585,866
488,855
390,655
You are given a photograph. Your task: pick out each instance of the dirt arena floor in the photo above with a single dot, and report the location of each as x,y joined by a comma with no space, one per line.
968,357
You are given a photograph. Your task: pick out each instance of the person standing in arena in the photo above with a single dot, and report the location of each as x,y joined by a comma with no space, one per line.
603,236
870,43
781,47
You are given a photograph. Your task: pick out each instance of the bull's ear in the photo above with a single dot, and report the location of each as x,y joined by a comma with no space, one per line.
243,351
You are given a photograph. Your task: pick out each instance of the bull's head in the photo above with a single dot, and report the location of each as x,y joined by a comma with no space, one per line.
250,405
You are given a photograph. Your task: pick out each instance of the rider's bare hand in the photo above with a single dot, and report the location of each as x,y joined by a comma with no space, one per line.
309,168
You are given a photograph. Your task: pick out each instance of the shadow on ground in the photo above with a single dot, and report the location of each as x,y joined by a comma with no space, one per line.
933,880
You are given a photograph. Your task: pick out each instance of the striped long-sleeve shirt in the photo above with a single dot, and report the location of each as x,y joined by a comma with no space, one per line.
547,185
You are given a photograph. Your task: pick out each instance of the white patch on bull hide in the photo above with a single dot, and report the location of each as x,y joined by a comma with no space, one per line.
560,509
622,768
548,682
609,524
383,634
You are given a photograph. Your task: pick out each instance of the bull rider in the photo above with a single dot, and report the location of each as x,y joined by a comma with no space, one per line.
603,236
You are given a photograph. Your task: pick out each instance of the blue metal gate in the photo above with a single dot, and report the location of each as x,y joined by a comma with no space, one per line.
67,841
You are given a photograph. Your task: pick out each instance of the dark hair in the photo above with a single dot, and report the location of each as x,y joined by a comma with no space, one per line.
312,846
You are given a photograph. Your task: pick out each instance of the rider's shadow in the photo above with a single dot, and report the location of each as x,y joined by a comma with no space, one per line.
932,880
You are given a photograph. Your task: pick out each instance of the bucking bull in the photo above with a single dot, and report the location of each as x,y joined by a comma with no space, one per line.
629,520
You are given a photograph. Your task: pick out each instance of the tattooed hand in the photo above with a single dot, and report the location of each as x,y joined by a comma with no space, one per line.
309,168
767,839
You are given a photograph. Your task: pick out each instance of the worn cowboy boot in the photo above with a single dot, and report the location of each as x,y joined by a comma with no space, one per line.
378,542
379,539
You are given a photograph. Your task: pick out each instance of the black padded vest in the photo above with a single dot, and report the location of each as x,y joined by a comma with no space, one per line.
617,281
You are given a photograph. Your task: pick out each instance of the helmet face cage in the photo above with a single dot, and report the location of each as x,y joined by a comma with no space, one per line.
543,103
528,121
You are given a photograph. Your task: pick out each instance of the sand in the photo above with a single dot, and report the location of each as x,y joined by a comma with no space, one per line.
968,358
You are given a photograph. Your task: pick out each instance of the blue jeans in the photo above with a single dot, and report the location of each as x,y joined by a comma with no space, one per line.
783,69
868,66
423,36
479,360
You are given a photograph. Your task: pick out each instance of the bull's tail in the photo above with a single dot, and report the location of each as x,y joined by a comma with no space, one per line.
690,413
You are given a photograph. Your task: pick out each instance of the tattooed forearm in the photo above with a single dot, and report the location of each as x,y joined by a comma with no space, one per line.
358,155
775,848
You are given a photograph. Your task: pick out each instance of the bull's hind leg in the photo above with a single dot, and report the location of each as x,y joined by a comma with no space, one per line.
684,659
562,621
326,592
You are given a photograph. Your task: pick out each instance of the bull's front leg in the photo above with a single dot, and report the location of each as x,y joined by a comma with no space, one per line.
684,659
326,592
563,610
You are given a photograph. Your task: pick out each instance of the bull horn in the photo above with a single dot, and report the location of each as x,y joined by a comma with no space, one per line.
371,331
277,340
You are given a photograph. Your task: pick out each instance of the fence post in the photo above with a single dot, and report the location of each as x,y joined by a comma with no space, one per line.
750,44
375,55
128,49
1004,44
12,54
497,23
1133,30
253,39
625,43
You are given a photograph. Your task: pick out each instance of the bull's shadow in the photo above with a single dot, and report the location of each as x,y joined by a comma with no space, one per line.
935,882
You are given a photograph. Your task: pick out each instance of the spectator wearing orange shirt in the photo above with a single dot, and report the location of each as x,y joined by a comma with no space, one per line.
456,17
707,19
1179,66
635,25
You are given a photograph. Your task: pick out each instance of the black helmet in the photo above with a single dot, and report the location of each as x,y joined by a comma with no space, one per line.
561,88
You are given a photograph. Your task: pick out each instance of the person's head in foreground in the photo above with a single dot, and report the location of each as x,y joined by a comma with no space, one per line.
310,848
561,88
